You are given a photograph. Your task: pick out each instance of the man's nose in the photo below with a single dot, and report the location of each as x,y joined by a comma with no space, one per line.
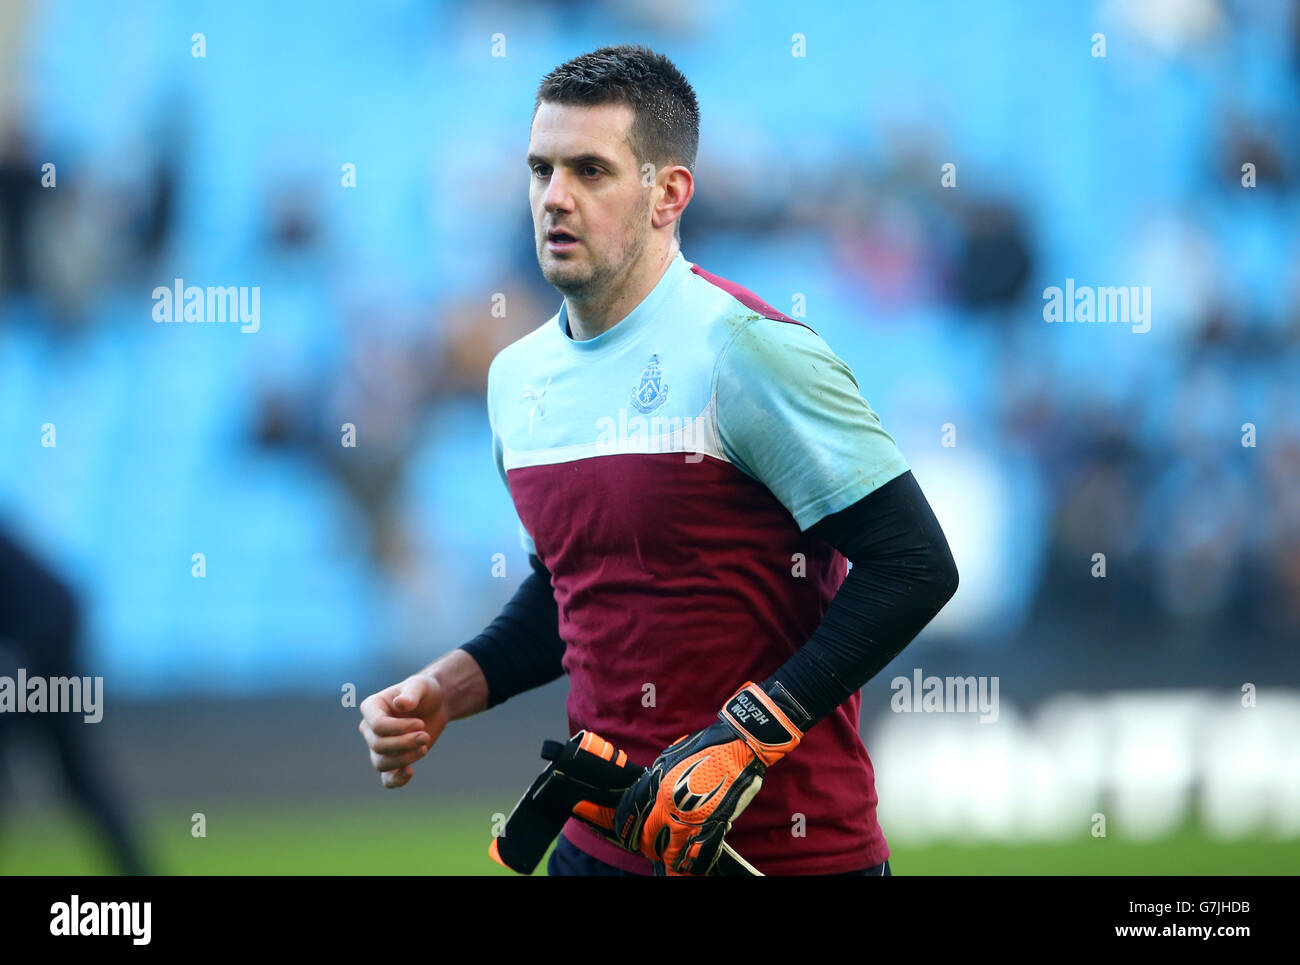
558,196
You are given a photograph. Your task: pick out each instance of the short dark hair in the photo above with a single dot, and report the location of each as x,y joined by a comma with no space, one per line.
667,123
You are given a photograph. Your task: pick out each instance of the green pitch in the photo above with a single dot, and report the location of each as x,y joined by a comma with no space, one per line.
412,837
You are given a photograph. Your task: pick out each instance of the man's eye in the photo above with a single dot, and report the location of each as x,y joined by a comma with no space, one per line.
541,170
591,171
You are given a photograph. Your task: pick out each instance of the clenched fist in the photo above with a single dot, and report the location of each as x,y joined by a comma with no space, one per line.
401,723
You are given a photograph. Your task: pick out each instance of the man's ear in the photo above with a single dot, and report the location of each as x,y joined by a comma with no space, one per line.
674,189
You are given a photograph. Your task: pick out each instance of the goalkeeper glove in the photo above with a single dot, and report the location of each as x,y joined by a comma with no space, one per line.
681,808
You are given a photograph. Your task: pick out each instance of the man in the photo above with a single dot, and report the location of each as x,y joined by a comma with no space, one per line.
691,469
41,620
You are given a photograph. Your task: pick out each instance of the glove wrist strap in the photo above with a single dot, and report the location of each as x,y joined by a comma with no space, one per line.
762,723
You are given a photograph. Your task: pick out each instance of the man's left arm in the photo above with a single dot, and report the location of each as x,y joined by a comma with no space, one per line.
790,414
903,573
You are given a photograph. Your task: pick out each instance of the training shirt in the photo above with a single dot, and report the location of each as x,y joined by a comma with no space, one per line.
665,472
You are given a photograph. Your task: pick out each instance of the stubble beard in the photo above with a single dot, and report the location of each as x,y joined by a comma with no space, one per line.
596,283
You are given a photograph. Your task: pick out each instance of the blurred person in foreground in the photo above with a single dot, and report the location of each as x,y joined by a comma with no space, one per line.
40,629
691,469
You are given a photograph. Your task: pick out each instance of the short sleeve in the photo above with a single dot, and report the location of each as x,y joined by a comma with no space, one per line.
790,414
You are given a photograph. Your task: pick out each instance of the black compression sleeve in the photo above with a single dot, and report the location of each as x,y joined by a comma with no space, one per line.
903,573
521,649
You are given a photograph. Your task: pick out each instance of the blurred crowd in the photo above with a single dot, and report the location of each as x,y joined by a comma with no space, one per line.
1175,453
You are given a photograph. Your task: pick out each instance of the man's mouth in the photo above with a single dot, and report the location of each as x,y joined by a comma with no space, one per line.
558,240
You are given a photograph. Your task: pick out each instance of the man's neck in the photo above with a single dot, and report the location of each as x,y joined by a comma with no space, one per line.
593,317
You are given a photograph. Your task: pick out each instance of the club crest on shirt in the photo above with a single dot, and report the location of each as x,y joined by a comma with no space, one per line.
651,392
